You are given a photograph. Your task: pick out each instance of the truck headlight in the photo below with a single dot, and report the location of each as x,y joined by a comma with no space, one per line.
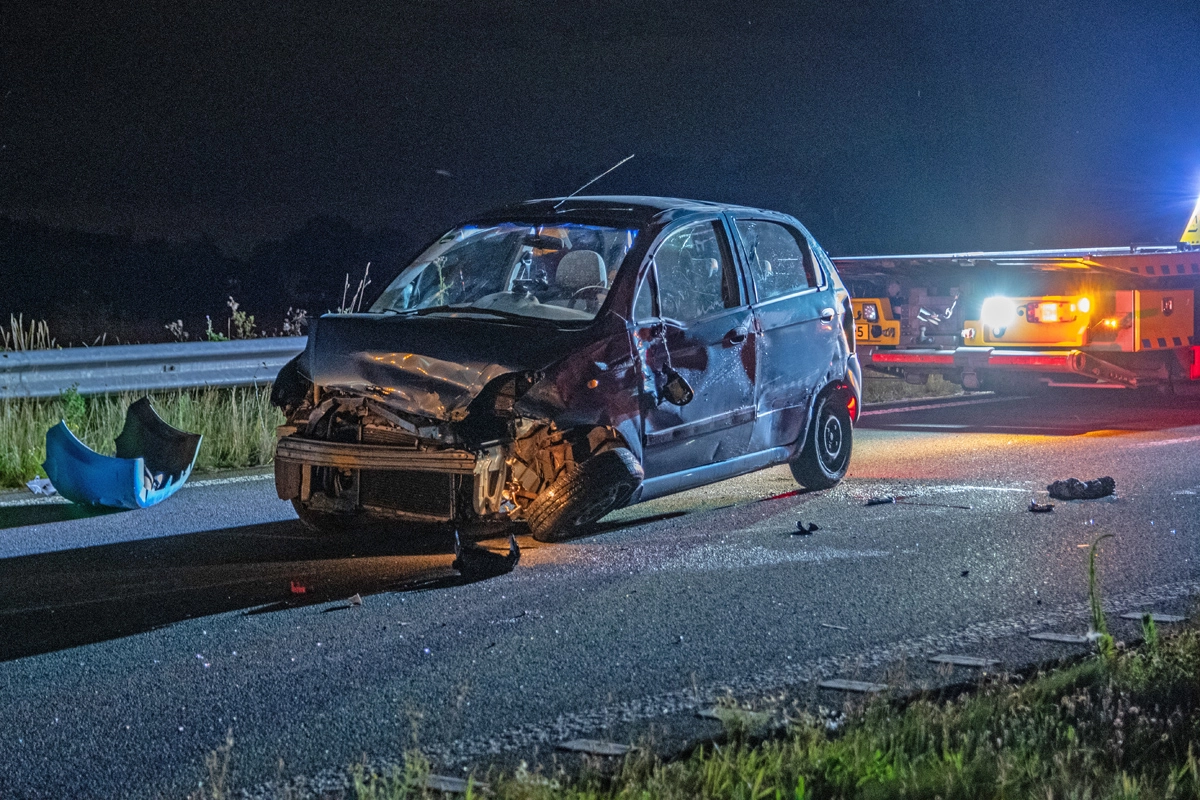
998,313
870,312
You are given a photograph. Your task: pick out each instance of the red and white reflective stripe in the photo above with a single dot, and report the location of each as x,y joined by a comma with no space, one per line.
1055,361
904,357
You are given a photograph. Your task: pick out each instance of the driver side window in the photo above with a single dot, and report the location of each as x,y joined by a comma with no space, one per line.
695,273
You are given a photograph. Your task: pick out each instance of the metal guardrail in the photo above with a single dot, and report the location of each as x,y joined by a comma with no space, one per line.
145,367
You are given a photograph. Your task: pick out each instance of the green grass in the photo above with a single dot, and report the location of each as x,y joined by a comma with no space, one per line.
1120,728
238,426
882,388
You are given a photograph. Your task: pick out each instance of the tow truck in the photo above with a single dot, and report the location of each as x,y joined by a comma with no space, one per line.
1114,317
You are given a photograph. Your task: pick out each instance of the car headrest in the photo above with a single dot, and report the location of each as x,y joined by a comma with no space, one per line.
580,268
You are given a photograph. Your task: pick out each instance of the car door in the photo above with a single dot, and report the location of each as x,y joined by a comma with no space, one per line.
692,317
796,316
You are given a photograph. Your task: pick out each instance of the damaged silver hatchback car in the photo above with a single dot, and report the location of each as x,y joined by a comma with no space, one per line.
552,361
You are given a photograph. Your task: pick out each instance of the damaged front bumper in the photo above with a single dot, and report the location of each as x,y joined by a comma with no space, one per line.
434,485
153,461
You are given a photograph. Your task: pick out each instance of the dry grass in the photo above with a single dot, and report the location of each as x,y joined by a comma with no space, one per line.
238,425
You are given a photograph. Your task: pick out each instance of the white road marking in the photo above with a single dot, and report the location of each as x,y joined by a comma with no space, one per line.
1181,440
595,747
963,661
926,406
42,501
843,685
1155,617
1062,638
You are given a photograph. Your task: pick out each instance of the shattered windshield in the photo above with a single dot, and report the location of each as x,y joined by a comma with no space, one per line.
559,272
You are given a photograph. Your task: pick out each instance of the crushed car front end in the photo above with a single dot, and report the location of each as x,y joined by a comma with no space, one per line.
429,409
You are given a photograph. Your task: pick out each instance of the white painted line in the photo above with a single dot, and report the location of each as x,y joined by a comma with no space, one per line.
43,501
595,747
842,685
33,501
1155,616
929,425
964,661
263,476
1182,440
451,785
926,406
1062,638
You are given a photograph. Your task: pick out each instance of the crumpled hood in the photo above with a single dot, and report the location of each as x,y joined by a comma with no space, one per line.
429,366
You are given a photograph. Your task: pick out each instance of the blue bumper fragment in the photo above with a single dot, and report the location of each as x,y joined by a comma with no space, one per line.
153,460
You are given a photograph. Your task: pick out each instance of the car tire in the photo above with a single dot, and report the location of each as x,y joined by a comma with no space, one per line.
583,493
826,455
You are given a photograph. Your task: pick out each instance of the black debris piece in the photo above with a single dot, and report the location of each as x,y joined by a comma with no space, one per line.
879,501
966,572
477,562
1075,489
1040,508
805,530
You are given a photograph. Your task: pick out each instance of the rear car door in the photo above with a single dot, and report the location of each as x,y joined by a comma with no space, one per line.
796,316
693,317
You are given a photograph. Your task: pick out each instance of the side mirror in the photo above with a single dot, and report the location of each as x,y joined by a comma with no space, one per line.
676,390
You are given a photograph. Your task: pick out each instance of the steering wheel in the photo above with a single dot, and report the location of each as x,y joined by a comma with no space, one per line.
595,289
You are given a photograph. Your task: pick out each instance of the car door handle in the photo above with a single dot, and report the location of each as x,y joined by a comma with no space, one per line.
827,315
737,335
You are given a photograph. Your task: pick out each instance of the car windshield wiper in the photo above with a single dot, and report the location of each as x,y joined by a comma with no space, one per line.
421,312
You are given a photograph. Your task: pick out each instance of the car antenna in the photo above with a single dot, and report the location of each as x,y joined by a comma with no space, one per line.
593,180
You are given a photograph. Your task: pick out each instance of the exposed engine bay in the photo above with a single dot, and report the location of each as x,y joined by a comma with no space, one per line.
347,454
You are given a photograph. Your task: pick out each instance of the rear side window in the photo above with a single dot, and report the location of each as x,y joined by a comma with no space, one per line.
780,259
695,273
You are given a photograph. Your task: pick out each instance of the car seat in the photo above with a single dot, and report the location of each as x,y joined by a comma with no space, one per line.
579,270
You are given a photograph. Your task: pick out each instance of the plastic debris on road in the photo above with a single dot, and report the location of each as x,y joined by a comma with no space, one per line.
879,501
42,486
1040,508
805,530
298,588
1075,489
355,600
153,460
476,562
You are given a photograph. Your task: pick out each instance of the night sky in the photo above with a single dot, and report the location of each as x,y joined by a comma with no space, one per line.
885,127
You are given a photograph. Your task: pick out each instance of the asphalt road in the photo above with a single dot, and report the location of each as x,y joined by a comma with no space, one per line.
130,643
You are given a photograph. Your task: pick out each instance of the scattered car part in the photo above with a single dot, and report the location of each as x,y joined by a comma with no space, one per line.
477,563
41,486
805,530
153,461
882,500
1075,489
1040,508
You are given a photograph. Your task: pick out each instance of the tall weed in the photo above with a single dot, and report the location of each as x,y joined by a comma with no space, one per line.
238,425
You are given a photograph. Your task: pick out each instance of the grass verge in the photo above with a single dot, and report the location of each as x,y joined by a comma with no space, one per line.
883,388
1121,725
238,425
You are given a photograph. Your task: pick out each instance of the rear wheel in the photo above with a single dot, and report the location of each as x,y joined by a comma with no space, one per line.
583,493
826,455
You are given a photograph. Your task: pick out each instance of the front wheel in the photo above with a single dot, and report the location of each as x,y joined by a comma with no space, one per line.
583,493
826,455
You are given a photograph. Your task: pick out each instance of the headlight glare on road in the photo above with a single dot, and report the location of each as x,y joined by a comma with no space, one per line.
998,313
